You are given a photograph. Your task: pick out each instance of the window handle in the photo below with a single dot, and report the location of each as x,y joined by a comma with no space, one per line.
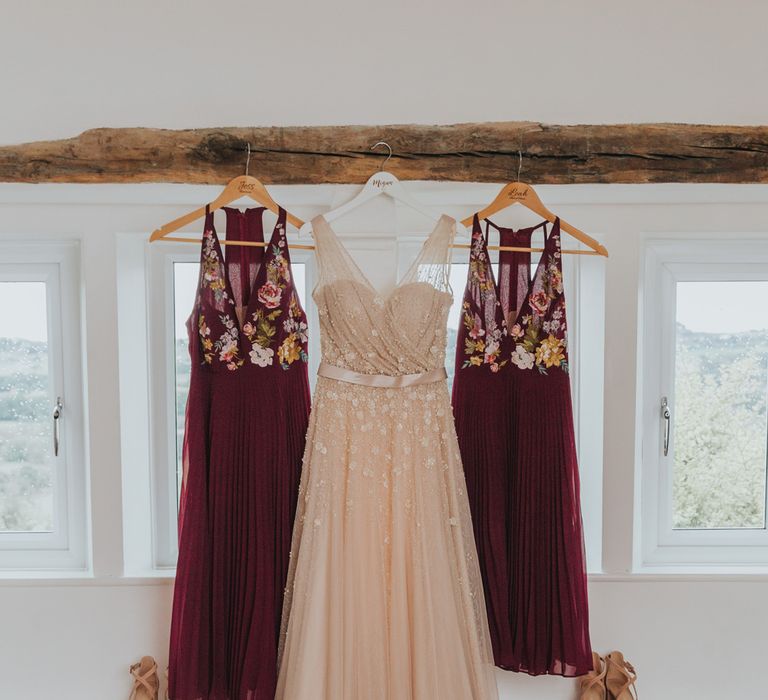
666,415
56,417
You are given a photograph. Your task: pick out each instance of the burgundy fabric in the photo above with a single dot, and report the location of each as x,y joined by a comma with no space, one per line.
244,440
515,430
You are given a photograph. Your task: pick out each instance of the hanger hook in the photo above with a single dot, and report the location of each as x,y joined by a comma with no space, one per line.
248,158
389,155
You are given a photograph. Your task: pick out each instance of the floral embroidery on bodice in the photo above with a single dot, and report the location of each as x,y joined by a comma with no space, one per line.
274,325
403,332
519,321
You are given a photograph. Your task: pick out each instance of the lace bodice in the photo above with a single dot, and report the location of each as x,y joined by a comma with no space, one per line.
402,332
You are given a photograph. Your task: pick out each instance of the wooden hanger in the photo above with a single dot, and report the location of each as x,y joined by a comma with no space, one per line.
523,193
243,185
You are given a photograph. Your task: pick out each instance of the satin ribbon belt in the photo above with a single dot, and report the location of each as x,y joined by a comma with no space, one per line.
380,380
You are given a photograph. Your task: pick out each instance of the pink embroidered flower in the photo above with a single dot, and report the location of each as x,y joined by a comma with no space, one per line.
539,302
476,332
491,350
228,349
248,329
517,331
270,295
494,367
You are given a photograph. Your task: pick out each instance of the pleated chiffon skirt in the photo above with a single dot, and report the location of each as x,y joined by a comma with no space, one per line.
523,485
244,441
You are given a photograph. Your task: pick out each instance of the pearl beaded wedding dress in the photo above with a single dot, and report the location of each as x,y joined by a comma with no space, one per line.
384,598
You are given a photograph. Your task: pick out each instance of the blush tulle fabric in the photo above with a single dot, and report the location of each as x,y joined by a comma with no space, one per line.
246,420
384,599
512,402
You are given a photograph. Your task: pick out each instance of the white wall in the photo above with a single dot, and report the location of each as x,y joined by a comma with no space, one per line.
85,63
72,66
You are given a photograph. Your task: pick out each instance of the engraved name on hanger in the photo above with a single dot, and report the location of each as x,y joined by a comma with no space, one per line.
246,187
517,193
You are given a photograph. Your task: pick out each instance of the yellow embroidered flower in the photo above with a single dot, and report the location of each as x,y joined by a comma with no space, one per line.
479,346
476,360
550,352
289,350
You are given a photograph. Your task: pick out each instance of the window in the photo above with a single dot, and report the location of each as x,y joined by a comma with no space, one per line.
42,506
720,390
26,467
705,404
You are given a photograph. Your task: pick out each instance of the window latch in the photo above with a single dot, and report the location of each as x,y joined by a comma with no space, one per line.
666,416
56,416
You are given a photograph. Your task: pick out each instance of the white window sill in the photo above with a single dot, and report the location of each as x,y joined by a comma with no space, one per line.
685,575
32,579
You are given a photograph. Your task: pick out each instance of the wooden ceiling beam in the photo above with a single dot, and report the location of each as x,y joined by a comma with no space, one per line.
482,152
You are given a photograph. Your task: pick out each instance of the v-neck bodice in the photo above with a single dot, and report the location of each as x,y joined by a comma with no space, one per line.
520,320
248,311
401,332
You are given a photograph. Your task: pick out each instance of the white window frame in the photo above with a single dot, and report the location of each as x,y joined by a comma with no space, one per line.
65,548
668,261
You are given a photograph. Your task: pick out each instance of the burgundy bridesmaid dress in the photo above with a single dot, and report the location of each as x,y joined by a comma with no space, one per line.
246,420
512,403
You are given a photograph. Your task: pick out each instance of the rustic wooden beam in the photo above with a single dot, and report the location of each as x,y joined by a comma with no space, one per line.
483,152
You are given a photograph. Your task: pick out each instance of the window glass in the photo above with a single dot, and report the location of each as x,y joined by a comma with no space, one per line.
721,385
26,455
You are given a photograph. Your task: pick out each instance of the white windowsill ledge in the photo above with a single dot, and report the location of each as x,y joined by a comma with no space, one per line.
32,579
684,575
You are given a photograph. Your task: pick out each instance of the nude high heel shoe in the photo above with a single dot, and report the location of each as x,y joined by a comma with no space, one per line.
621,677
592,685
146,683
